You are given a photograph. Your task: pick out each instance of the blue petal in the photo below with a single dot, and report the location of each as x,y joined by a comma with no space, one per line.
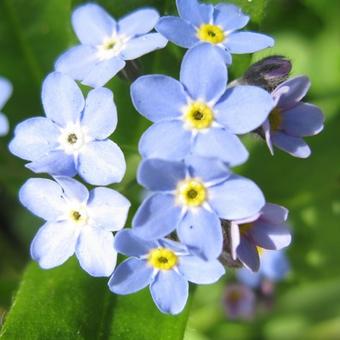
203,73
220,143
295,146
178,31
54,244
248,42
157,217
101,163
173,245
193,12
95,251
274,213
158,97
62,99
43,198
166,140
236,198
198,271
103,71
274,265
127,243
77,62
4,126
138,22
92,24
130,276
170,292
108,209
100,114
248,277
6,90
244,108
201,231
248,254
160,175
34,138
142,45
230,17
73,190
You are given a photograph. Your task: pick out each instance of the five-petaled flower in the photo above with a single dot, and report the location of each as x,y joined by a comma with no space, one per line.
77,221
217,25
73,138
198,114
5,93
165,265
107,44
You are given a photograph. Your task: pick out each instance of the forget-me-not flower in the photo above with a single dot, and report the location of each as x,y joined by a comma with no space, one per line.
291,119
266,229
77,221
106,44
5,92
217,25
191,197
73,138
164,265
198,114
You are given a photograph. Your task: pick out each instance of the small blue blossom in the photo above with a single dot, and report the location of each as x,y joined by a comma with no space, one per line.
198,114
73,138
274,267
107,44
217,25
191,197
5,92
77,221
291,119
264,230
164,265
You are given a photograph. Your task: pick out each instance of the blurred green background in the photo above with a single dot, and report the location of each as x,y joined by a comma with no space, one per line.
307,305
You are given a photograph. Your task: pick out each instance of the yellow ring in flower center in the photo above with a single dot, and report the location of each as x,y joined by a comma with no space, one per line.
211,33
199,115
162,258
275,119
78,217
192,193
244,228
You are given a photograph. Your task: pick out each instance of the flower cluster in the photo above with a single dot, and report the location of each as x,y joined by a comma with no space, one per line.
198,208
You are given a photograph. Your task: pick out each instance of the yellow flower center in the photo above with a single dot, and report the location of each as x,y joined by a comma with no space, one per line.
275,119
260,250
191,193
72,138
78,217
244,228
198,115
162,258
211,33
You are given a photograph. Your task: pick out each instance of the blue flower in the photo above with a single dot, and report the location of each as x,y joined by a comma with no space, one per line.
264,230
198,114
217,25
74,136
291,119
77,221
191,197
274,267
107,44
5,93
164,265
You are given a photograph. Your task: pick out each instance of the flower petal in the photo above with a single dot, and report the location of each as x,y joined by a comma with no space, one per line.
203,73
6,90
230,17
220,143
142,45
92,24
100,114
158,97
274,213
248,254
244,108
248,42
166,140
54,244
169,291
199,271
130,276
72,189
235,239
34,138
274,265
62,99
236,198
157,217
200,230
248,277
178,31
95,251
108,209
4,125
194,12
101,163
43,198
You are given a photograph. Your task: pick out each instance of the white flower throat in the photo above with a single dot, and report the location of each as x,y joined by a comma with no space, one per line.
73,138
112,46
